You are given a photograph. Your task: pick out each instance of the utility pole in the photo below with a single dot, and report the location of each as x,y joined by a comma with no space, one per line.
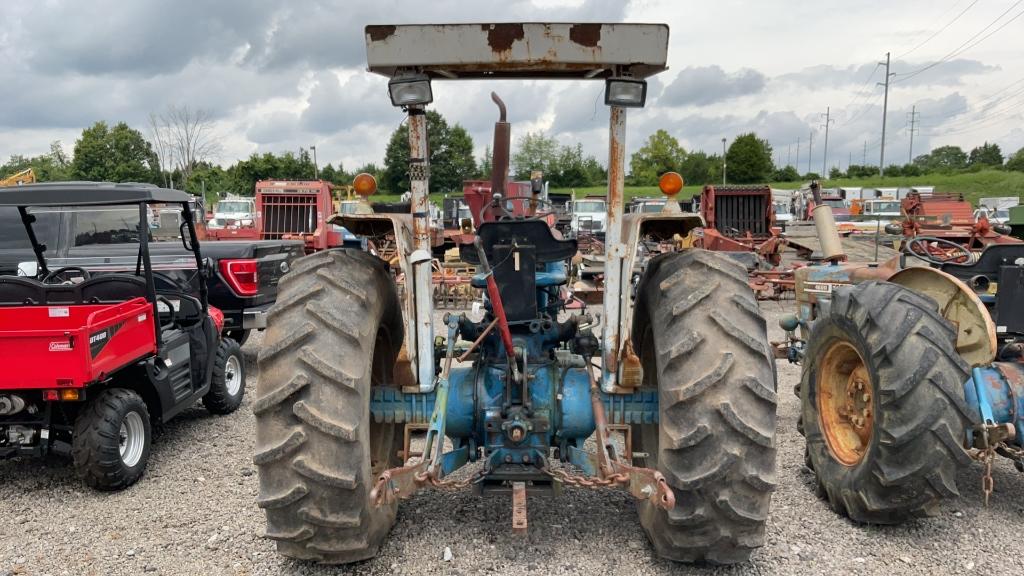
864,158
913,128
824,160
789,154
885,111
724,165
797,165
810,150
316,169
849,161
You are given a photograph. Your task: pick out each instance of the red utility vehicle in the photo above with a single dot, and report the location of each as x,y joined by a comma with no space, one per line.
96,349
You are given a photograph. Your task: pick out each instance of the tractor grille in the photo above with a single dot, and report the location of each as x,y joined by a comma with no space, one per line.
741,214
288,214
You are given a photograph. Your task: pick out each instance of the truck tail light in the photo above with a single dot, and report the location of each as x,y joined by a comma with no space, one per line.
241,276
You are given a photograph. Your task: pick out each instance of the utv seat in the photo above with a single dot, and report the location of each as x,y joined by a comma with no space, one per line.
111,288
19,291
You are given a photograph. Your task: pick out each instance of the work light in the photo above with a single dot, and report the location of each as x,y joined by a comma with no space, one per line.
410,90
625,92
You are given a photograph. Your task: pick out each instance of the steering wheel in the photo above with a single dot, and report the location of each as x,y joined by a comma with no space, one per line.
52,274
949,252
500,204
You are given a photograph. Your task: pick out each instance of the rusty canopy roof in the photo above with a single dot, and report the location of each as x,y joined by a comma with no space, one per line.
518,50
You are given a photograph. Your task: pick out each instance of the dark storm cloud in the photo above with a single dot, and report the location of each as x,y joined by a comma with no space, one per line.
155,37
703,85
152,37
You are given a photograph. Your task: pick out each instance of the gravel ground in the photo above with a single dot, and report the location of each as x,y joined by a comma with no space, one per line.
193,513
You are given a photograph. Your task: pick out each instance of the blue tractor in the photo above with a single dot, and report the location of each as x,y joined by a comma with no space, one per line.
672,378
912,369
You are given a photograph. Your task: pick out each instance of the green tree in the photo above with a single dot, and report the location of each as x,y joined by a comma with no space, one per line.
786,174
986,155
858,171
456,162
943,159
118,154
698,168
660,154
1016,161
451,156
596,173
52,167
483,171
535,151
835,173
749,160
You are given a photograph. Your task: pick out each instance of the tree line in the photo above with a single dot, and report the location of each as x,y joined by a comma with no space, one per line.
181,146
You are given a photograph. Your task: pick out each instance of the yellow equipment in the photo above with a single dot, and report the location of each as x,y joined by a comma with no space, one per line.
26,176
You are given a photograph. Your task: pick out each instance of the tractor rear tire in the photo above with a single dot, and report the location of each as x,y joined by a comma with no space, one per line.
908,462
703,345
333,334
112,439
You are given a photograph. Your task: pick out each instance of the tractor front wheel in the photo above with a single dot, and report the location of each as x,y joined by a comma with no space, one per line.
332,337
882,405
703,345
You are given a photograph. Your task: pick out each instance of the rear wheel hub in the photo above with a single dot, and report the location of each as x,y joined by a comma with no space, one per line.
845,403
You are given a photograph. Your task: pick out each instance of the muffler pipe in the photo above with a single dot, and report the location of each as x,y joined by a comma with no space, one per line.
825,225
502,146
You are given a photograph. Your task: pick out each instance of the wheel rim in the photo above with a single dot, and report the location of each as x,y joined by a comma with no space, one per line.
845,395
131,439
233,375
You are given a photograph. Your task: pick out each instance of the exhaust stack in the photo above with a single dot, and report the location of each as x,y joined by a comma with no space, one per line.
825,225
502,145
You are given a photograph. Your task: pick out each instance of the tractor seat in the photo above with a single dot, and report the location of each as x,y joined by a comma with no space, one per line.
534,233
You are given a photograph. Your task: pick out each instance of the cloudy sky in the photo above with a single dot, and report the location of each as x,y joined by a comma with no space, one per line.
282,75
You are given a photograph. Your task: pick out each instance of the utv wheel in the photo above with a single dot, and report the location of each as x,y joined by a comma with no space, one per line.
882,404
703,346
331,339
112,438
227,387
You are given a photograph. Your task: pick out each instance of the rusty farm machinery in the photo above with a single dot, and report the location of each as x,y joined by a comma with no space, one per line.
679,361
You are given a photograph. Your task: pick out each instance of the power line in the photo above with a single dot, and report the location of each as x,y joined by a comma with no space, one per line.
828,121
913,119
940,30
885,111
859,93
867,106
966,45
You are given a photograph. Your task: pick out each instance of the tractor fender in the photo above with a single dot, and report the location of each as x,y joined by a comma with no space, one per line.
960,305
396,226
668,227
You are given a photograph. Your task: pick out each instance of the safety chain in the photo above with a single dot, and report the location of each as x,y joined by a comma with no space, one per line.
985,457
586,481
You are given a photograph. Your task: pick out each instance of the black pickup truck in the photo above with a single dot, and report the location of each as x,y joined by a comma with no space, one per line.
242,276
